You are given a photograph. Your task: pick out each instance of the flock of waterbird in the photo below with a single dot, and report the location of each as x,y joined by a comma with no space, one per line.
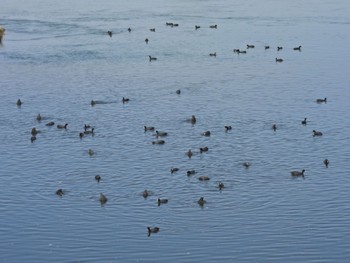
213,54
161,135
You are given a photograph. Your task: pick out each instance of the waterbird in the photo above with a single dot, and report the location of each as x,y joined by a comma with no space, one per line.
152,29
158,142
174,170
201,201
228,128
189,154
152,230
304,121
212,54
152,58
97,178
317,133
250,46
326,162
297,48
221,185
196,27
206,133
145,193
146,40
51,123
279,60
34,131
93,103
203,149
60,192
191,172
129,29
125,100
246,165
19,103
38,117
178,92
279,48
161,133
81,135
242,52
109,33
91,152
213,26
321,100
33,138
162,201
297,173
274,127
203,178
267,47
60,126
89,132
103,199
148,128
192,120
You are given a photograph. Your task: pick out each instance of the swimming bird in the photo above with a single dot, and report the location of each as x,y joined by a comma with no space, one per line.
279,48
51,123
59,126
267,47
81,135
38,117
148,128
125,100
326,162
189,154
34,131
146,40
203,149
178,92
109,33
228,128
250,46
206,133
60,192
152,30
274,127
246,165
303,122
321,100
175,24
152,58
161,134
201,201
212,54
33,138
236,50
213,26
192,120
145,193
103,199
221,185
196,27
317,133
93,103
91,152
19,103
162,201
297,48
129,29
297,173
279,60
242,52
158,142
169,24
152,230
97,178
174,170
87,126
203,178
191,172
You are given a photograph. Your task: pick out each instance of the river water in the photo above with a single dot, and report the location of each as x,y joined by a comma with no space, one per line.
56,57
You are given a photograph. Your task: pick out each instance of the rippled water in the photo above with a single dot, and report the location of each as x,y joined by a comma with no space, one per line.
56,57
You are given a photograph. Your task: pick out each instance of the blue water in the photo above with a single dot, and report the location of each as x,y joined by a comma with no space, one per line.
56,57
